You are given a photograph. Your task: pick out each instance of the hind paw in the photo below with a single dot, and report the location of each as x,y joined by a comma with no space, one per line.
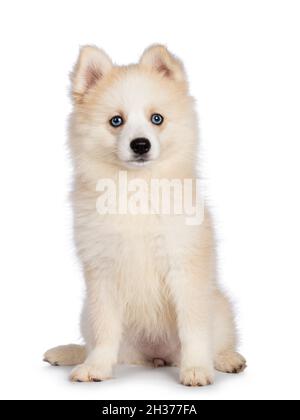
159,363
69,355
230,362
53,357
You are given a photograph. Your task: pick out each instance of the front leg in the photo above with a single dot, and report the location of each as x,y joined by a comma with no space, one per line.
102,328
191,290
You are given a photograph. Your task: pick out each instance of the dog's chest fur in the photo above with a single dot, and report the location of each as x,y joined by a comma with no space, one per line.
136,253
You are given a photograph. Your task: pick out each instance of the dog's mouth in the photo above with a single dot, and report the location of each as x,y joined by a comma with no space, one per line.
139,161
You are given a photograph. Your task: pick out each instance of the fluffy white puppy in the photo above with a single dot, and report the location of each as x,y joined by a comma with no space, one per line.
151,290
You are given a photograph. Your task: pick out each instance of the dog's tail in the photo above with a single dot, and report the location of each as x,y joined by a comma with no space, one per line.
69,355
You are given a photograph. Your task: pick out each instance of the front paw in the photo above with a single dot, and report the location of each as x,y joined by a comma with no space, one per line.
90,373
196,376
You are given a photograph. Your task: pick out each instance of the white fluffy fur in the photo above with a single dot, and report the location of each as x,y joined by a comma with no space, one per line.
151,290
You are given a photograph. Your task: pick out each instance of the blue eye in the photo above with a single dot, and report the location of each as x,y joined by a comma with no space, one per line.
157,119
116,121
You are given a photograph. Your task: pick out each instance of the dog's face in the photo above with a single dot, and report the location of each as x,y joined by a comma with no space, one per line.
131,116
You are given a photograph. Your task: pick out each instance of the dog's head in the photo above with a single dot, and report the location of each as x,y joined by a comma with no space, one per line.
134,116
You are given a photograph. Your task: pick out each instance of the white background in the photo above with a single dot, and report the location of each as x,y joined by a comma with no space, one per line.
243,62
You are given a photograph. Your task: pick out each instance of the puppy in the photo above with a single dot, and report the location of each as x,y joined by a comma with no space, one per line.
151,290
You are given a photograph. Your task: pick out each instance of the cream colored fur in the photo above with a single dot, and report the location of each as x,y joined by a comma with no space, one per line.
151,290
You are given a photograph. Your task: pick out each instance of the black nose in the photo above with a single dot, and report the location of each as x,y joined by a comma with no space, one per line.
140,146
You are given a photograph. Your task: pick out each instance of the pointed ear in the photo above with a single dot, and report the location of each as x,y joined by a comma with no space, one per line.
92,65
159,59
